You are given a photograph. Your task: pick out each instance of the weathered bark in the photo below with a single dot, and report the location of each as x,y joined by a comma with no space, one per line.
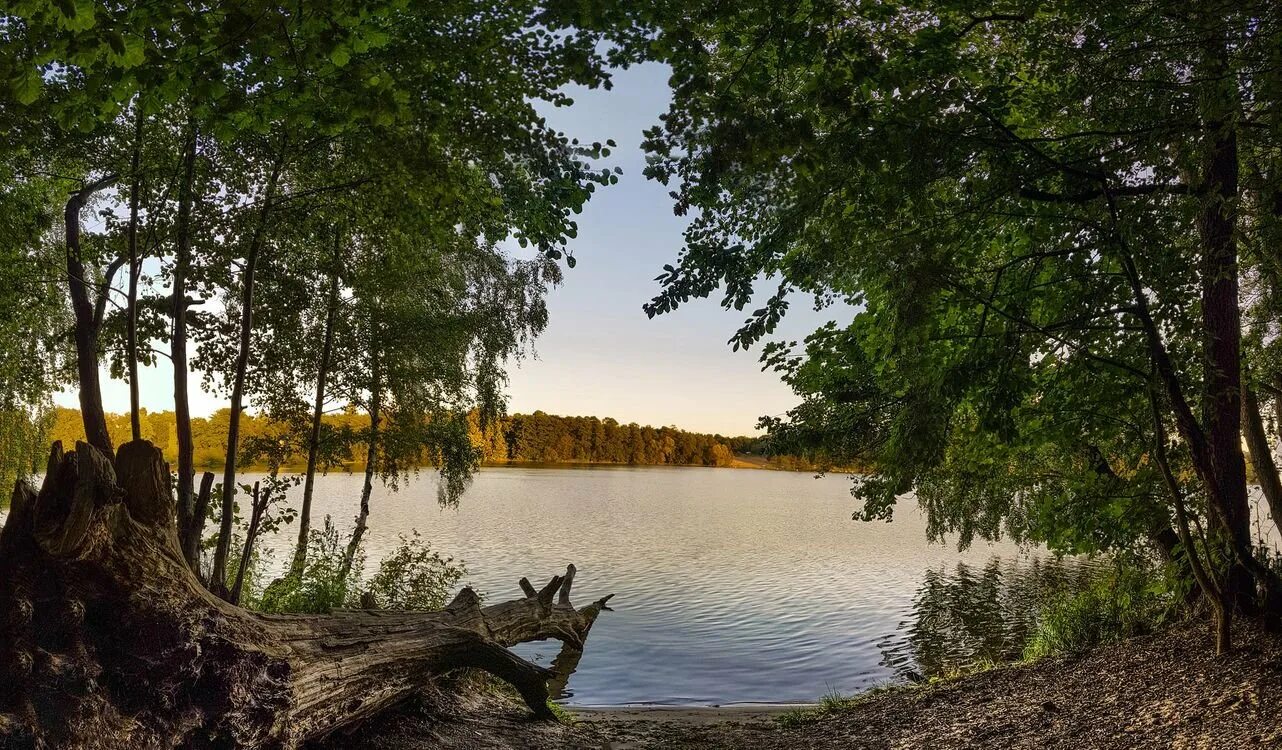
318,411
88,316
109,641
221,552
178,337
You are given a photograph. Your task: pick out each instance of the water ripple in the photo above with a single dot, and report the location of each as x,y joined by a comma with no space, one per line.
732,586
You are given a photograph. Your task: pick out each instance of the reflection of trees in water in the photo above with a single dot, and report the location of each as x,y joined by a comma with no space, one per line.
974,614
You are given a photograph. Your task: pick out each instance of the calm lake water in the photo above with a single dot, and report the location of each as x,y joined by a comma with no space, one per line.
732,586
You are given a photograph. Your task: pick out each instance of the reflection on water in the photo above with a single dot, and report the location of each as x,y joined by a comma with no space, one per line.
969,615
732,586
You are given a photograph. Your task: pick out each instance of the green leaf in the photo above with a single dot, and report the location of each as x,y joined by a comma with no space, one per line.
26,87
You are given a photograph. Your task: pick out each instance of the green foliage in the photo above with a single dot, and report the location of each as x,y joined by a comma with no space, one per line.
321,586
411,576
1008,205
363,160
414,576
1129,600
561,713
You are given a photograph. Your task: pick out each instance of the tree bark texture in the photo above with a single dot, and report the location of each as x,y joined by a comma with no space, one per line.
109,641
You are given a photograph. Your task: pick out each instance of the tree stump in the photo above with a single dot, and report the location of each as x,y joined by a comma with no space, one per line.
110,641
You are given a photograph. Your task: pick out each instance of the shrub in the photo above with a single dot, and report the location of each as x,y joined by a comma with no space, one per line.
414,576
320,587
1129,600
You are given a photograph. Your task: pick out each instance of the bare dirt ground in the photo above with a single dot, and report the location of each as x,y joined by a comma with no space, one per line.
1163,691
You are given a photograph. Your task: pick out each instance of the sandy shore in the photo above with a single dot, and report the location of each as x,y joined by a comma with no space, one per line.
685,714
1152,693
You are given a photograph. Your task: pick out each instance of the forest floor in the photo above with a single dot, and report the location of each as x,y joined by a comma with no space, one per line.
1167,690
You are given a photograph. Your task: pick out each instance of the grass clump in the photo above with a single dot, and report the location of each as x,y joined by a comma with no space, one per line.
561,713
1129,600
831,703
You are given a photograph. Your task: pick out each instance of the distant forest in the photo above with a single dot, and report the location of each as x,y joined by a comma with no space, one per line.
515,438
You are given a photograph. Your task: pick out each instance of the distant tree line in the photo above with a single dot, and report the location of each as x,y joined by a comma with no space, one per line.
516,438
547,438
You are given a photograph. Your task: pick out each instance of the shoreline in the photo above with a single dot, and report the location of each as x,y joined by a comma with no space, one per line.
1150,692
359,467
687,714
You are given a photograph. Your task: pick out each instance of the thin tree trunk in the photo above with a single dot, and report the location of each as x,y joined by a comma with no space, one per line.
88,314
189,536
218,576
1202,571
1257,443
247,551
131,324
371,462
178,340
124,648
318,410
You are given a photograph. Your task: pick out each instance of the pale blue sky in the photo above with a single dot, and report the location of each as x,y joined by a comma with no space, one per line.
600,354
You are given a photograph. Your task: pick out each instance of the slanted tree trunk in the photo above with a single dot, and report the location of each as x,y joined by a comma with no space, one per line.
109,641
1257,444
318,411
258,506
371,463
191,530
218,576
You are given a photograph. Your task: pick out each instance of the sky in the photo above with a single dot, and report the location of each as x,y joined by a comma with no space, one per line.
600,354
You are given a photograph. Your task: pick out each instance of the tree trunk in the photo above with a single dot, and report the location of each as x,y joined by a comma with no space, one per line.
1221,315
1257,443
131,310
192,529
218,576
247,550
178,339
318,411
371,463
88,316
110,641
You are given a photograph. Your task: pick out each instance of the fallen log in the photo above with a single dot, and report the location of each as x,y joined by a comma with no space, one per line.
110,641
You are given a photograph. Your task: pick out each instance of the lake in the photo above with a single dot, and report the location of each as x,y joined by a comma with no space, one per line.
732,586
